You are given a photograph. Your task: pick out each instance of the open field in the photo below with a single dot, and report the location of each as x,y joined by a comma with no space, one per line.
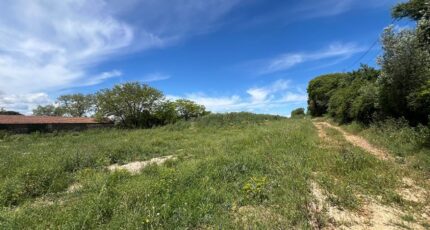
222,171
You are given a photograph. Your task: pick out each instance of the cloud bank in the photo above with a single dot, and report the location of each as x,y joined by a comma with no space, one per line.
279,95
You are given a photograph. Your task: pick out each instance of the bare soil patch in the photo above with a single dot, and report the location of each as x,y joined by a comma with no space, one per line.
135,167
356,141
372,215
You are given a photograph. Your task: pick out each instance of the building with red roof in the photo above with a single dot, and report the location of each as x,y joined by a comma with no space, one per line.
26,124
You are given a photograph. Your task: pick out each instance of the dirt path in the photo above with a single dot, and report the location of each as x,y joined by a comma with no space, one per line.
354,139
372,215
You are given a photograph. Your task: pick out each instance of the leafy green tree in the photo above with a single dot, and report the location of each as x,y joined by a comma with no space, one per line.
365,107
132,105
413,9
188,109
48,110
320,91
298,113
419,11
76,105
166,113
346,101
405,73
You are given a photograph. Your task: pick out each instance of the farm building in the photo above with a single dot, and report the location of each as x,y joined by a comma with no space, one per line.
27,124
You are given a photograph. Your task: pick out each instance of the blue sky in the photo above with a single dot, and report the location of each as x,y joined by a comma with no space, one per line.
230,55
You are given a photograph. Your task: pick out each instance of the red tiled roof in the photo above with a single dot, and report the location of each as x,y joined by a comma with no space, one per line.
17,119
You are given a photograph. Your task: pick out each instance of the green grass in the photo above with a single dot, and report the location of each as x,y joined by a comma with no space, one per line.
410,145
233,171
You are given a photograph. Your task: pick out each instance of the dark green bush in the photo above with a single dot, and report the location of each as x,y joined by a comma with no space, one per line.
298,113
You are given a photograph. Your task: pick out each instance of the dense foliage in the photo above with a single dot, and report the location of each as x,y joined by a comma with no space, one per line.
298,113
401,89
130,105
48,110
320,91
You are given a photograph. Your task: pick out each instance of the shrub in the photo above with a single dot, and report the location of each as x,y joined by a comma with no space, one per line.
298,113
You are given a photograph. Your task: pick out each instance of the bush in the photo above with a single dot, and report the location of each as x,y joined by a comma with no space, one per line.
298,113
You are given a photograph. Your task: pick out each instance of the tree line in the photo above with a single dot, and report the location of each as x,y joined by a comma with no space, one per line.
400,89
130,105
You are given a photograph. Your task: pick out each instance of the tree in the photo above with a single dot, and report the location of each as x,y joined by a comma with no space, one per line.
166,113
132,105
48,110
76,105
419,11
405,71
320,91
188,109
413,9
298,113
351,93
5,112
365,106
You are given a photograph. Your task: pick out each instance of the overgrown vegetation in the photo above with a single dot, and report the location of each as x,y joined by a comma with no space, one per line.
399,90
229,168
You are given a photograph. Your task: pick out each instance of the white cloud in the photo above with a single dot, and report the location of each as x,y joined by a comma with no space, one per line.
265,99
286,61
48,45
103,77
261,94
295,97
153,77
23,102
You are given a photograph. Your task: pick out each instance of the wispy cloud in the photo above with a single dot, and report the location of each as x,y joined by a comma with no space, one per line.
153,77
46,46
287,12
103,77
289,60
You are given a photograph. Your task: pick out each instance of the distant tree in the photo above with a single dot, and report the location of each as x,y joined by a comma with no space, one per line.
132,105
166,113
76,105
188,109
298,113
48,110
5,112
320,91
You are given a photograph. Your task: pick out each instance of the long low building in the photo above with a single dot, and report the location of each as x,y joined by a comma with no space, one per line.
27,124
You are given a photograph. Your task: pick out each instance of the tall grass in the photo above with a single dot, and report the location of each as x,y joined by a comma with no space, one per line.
404,141
233,171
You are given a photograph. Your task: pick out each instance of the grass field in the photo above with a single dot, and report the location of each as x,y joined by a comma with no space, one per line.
235,171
